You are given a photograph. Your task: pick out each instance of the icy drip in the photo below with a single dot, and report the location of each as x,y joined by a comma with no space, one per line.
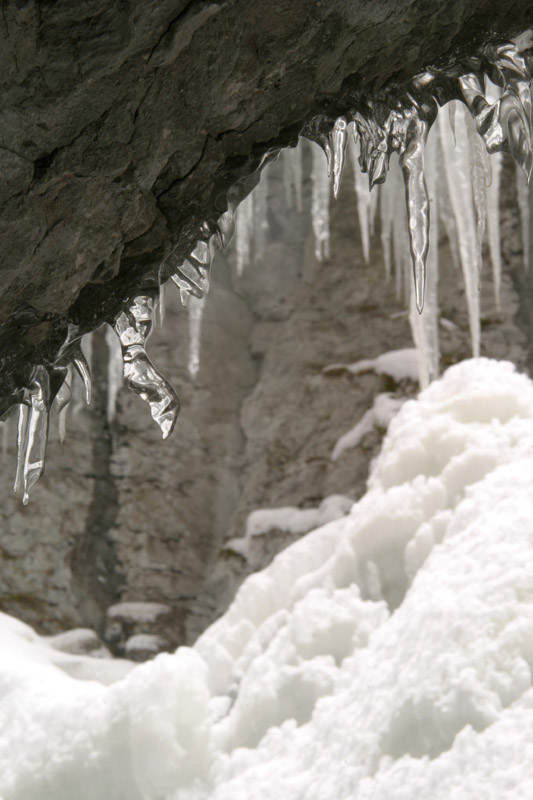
457,168
320,202
400,239
362,193
293,177
32,434
338,148
244,231
196,310
522,193
260,220
424,327
386,213
493,224
115,377
480,176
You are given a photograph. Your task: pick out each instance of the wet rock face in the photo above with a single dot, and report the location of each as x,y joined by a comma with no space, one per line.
123,125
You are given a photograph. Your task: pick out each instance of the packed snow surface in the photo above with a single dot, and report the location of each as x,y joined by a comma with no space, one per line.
385,656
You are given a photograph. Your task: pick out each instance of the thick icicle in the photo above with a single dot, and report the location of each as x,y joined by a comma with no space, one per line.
424,326
196,310
412,164
133,329
115,373
320,203
493,224
32,433
522,191
244,231
338,147
260,218
362,193
61,403
457,169
386,210
293,177
480,176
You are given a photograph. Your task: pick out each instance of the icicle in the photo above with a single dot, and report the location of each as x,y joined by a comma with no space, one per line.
362,192
61,403
83,370
293,177
244,231
114,373
196,310
400,237
522,192
412,164
140,376
160,308
480,176
493,220
320,204
260,218
386,211
457,168
451,119
22,425
5,438
424,326
32,434
338,147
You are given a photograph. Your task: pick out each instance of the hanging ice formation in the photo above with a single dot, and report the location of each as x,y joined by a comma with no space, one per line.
397,120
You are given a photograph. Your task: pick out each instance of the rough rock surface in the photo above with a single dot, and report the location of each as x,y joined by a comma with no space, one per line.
124,123
121,516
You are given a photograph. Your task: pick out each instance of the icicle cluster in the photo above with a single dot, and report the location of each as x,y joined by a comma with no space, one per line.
494,88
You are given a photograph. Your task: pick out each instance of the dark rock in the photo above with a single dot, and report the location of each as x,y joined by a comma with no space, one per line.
123,124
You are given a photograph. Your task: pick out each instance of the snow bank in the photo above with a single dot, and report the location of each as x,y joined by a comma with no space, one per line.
384,656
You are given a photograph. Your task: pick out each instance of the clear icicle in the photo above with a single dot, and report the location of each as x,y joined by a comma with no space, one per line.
457,169
320,202
493,224
338,147
196,310
244,231
522,192
445,210
480,176
115,373
260,217
400,237
160,317
386,211
412,164
32,434
5,438
293,177
451,119
133,328
61,404
424,327
22,424
82,383
363,195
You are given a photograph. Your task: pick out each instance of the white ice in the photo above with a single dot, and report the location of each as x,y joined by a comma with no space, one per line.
385,656
320,190
290,519
397,364
196,312
115,372
383,409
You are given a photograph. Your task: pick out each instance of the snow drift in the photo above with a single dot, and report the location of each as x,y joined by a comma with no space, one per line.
386,655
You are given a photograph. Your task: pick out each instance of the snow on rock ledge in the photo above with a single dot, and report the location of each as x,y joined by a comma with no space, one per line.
386,655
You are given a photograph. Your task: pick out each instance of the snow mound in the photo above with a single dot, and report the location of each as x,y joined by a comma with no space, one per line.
385,656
